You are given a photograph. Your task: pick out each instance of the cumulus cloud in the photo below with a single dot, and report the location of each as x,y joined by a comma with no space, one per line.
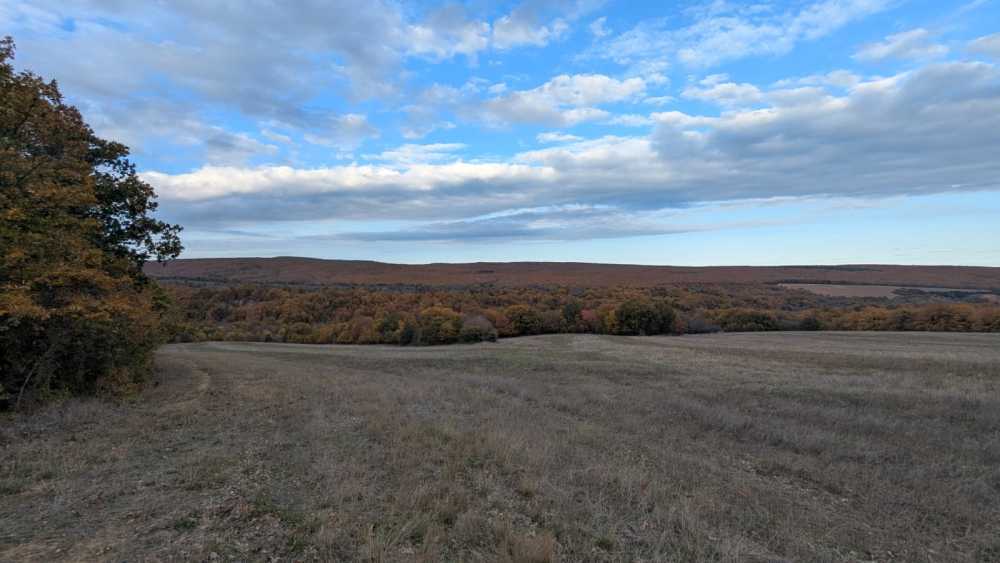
146,125
988,45
913,44
717,89
274,66
722,31
564,100
836,78
559,223
539,22
597,27
447,32
556,137
416,154
422,122
659,100
630,120
510,31
932,130
158,74
928,130
223,147
268,62
339,131
920,132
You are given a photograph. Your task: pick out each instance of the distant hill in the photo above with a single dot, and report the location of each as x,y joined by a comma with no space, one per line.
312,271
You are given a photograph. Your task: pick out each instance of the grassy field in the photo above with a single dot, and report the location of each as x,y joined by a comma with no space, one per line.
889,291
737,447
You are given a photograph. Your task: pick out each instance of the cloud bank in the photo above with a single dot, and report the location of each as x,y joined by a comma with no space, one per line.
927,131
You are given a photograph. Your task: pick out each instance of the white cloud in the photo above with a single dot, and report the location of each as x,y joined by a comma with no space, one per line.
510,32
556,137
275,136
590,89
283,63
913,44
988,45
729,94
143,125
342,131
932,130
630,120
539,22
597,27
564,100
560,223
419,154
417,129
223,147
447,32
659,100
727,31
837,78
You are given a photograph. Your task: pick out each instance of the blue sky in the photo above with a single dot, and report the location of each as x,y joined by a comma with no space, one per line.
699,132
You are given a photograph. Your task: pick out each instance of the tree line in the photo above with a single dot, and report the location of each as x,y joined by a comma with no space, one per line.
376,315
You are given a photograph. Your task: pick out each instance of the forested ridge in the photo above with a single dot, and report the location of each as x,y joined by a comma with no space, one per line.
319,272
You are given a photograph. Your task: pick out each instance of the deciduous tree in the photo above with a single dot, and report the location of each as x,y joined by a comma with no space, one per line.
76,225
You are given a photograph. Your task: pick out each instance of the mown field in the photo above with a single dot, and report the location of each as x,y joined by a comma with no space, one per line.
732,447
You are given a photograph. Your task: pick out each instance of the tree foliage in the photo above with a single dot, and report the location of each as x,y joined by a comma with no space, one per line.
414,316
76,226
643,316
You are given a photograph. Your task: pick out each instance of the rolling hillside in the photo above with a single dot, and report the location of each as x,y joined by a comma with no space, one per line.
311,271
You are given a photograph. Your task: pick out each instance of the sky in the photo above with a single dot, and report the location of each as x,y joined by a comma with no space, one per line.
690,133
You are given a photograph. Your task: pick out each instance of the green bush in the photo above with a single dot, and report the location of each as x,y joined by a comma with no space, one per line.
643,317
439,325
743,320
524,320
477,328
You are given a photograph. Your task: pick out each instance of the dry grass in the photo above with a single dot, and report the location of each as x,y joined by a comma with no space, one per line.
889,291
756,447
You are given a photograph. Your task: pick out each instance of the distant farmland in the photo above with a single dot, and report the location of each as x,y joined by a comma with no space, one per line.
888,291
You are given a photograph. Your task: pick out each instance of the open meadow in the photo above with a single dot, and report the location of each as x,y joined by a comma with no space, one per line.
731,447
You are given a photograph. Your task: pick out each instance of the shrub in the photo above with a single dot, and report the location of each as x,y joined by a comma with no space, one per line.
409,330
477,328
810,322
571,312
388,327
643,316
743,320
523,320
439,325
551,322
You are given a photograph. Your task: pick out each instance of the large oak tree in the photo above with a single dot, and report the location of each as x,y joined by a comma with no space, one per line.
76,226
